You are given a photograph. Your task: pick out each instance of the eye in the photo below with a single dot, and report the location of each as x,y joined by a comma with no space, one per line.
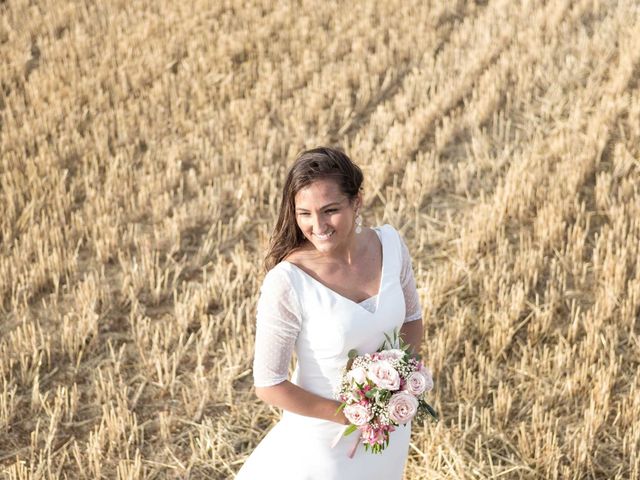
331,210
303,214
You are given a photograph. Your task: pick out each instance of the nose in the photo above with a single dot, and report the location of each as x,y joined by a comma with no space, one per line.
317,223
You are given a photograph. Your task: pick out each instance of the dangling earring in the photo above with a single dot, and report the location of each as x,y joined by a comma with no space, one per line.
358,223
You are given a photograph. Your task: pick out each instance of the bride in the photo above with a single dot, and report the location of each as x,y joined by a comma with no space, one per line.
331,286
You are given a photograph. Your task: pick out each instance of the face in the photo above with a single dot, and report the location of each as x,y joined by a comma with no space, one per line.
325,215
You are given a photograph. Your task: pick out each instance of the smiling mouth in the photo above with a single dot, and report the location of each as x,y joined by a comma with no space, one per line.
324,236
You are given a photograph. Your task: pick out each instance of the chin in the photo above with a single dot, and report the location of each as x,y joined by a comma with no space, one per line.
322,246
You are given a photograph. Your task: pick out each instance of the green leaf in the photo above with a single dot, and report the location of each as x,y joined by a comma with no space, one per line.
353,353
350,429
388,339
384,395
431,411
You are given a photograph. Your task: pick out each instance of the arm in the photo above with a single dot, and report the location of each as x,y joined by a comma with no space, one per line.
412,329
278,323
411,333
291,397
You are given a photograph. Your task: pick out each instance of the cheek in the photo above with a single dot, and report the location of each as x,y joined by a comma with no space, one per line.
302,225
342,219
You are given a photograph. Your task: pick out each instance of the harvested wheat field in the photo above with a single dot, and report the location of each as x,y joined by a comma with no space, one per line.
143,147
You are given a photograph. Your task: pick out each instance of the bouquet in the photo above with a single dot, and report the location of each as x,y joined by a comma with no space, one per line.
381,390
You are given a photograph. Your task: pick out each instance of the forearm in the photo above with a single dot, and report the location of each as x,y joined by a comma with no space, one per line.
293,398
411,333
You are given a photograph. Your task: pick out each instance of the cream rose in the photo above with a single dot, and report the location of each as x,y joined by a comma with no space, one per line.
357,414
402,407
358,375
384,375
393,354
416,383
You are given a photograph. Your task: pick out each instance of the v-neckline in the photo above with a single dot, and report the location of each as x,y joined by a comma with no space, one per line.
339,295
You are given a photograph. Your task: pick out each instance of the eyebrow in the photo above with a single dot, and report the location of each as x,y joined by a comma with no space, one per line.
321,208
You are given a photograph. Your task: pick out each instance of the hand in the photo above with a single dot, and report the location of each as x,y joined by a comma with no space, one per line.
341,417
344,419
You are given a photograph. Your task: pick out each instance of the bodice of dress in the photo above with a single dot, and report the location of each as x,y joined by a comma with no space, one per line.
296,311
369,304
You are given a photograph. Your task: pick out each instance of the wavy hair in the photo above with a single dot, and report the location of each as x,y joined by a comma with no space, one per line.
309,166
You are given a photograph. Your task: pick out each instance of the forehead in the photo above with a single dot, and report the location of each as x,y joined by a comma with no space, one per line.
318,193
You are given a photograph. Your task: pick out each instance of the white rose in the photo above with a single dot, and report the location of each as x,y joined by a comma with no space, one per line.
357,414
393,354
416,383
384,375
357,375
402,407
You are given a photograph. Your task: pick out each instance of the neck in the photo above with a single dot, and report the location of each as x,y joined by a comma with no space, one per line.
346,254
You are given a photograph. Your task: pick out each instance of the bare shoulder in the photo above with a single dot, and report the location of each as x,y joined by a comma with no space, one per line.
300,256
370,233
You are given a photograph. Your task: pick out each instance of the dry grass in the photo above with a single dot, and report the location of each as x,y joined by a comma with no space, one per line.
142,152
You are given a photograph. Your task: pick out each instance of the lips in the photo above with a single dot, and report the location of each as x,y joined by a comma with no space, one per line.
324,236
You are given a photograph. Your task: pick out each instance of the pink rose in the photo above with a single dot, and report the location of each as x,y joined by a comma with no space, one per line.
426,373
393,354
358,375
402,407
357,414
416,383
384,375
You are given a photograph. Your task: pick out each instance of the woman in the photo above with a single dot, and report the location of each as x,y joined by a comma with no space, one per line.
331,286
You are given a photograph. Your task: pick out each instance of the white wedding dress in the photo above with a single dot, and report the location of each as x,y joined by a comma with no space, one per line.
296,311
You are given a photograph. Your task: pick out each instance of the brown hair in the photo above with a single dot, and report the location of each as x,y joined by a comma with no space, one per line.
311,165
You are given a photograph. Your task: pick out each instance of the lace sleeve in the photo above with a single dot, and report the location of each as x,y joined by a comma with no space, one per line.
277,327
407,280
